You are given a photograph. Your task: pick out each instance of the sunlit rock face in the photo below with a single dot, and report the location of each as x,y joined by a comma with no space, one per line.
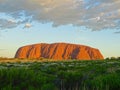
59,51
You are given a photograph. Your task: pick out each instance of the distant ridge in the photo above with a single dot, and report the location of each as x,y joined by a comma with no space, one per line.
59,51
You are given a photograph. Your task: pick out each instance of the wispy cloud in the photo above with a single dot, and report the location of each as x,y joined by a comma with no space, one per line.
93,14
118,32
9,21
7,24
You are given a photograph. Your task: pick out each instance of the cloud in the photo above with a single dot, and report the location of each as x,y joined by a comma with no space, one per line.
4,24
7,22
27,25
118,32
93,14
10,23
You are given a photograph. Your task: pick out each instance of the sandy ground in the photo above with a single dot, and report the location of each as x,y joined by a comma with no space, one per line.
18,61
27,60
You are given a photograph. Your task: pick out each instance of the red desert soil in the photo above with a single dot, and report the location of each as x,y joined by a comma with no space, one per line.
59,51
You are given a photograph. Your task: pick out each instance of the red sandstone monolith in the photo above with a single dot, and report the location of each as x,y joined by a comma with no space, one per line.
59,51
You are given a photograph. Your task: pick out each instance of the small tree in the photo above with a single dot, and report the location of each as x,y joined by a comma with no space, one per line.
118,58
113,58
107,58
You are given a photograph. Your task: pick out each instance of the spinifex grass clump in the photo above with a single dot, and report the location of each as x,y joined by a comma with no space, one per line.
71,75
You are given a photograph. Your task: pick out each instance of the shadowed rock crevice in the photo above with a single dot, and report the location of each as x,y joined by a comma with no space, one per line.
75,53
63,55
59,51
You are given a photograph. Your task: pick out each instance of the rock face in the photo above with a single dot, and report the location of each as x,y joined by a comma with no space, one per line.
59,51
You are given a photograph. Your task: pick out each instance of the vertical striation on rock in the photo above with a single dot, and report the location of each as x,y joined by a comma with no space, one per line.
59,51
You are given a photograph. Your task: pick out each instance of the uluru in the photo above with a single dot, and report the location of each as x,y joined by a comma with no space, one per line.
59,51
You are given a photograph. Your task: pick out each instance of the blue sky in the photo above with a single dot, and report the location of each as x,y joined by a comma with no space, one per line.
93,23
